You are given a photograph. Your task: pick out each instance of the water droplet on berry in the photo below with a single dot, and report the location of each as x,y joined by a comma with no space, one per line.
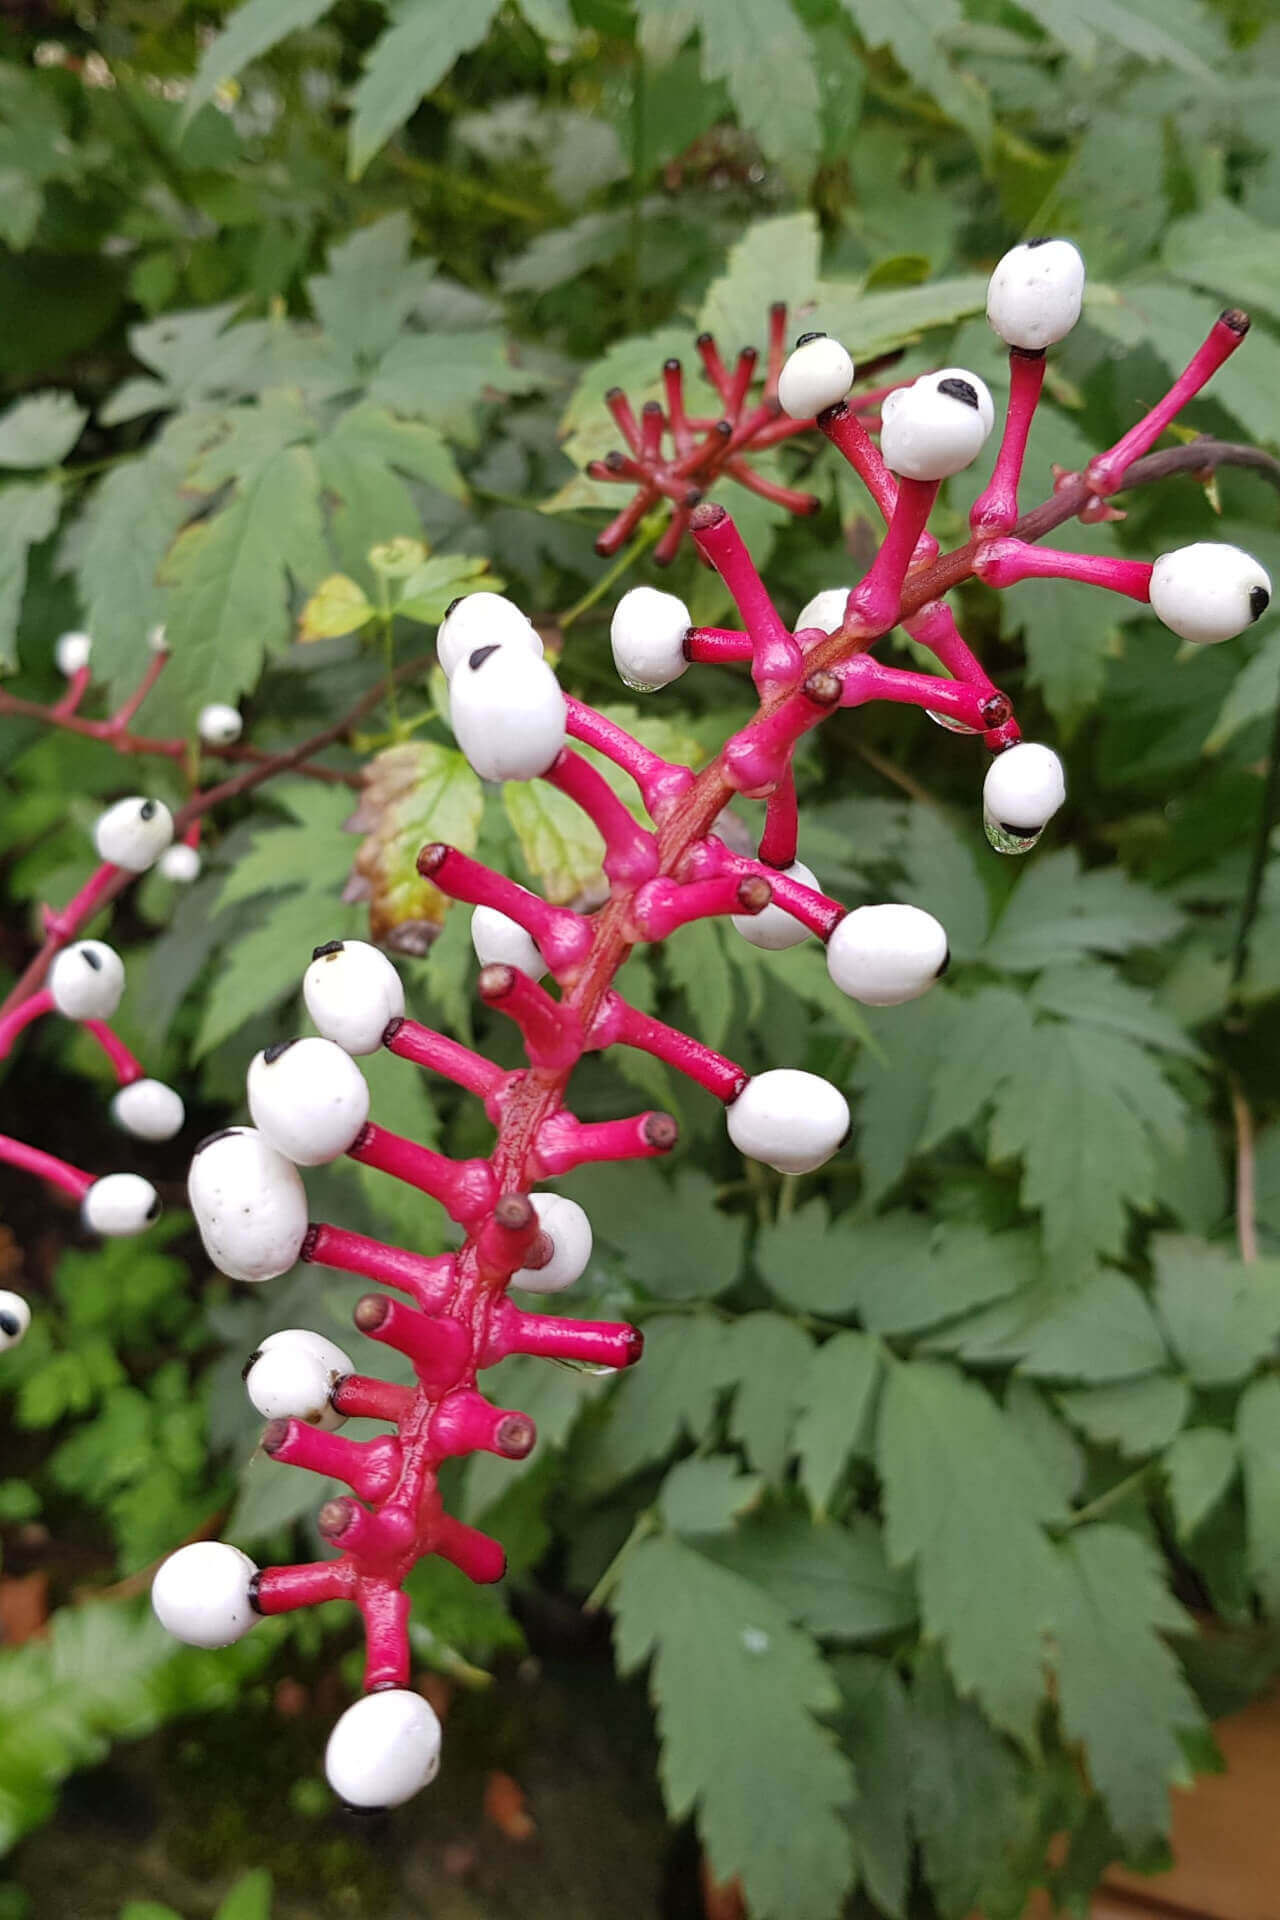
1008,839
949,722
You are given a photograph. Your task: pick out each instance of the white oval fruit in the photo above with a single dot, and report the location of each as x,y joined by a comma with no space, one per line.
791,1120
180,863
1035,294
71,652
250,1204
86,980
120,1205
158,638
501,941
888,954
814,377
134,833
775,929
292,1375
353,993
202,1594
15,1318
149,1110
647,633
570,1232
936,426
219,725
507,712
826,610
1024,787
1209,592
383,1750
308,1098
482,620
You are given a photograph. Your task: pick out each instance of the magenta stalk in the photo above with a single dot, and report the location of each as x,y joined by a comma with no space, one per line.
1106,471
438,1347
935,627
77,687
624,524
716,646
565,1142
815,910
660,781
22,1016
551,1031
370,1468
358,1396
620,407
848,436
563,938
409,1040
1002,563
465,1422
773,490
757,757
384,1608
780,839
126,1067
472,1552
776,660
673,387
866,679
58,1173
464,1188
743,374
620,1024
716,371
651,425
601,1343
285,1589
996,508
429,1281
121,718
665,904
874,603
510,1238
630,850
67,921
383,1542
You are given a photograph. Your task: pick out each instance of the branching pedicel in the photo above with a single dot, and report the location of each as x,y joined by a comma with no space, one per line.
308,1099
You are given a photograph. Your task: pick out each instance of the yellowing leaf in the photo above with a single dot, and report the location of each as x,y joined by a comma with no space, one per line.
414,793
337,606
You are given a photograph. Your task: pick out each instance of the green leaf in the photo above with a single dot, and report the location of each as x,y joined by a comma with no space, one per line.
337,606
1057,911
266,964
558,843
807,1260
910,1276
40,430
874,323
28,515
1258,1437
834,1580
696,957
987,1033
441,377
913,30
409,61
429,590
942,876
1047,1438
307,852
1120,1690
1201,1464
1251,696
1222,1317
673,1238
773,255
1136,1416
674,1393
1221,247
707,1494
370,287
895,1085
413,794
731,1679
1099,997
249,1899
964,1504
128,526
770,1357
834,1399
1175,31
1173,322
875,1727
252,30
765,58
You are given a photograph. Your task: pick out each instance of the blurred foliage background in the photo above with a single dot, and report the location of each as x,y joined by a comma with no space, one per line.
299,291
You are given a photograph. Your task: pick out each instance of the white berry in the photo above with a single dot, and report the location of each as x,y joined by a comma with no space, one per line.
936,426
148,1110
158,638
507,712
481,620
1035,294
775,929
886,955
501,941
120,1205
791,1120
353,993
570,1233
219,725
825,611
308,1098
250,1204
134,833
383,1750
648,632
1024,787
292,1375
202,1594
71,652
814,377
15,1318
87,980
180,863
1209,592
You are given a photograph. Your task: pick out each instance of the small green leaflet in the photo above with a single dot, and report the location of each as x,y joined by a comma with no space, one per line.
1222,1317
986,1035
408,61
770,1357
672,1237
731,1680
1056,910
686,1365
808,1261
1222,248
834,1580
252,30
1176,31
28,515
706,1495
835,1399
1101,1328
873,323
1200,1465
1137,1417
1258,1435
874,1722
913,30
695,957
942,876
40,430
1100,997
759,48
413,794
782,252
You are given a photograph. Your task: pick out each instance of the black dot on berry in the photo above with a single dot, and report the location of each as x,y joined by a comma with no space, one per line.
147,810
455,602
10,1325
223,1133
1259,601
153,1211
1041,240
960,390
803,339
272,1053
94,960
946,962
327,951
477,659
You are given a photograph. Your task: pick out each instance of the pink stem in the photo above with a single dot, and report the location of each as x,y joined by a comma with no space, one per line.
77,687
781,427
848,435
22,1016
743,374
660,781
472,1552
563,938
717,372
996,508
1106,471
789,497
620,407
551,1031
666,904
668,546
438,1347
381,1542
370,1468
408,1040
651,426
875,601
121,718
430,1281
67,921
44,1166
617,1023
285,1589
465,1422
464,1188
360,1397
565,1142
777,348
384,1608
776,659
510,1238
867,679
717,645
757,757
630,850
673,384
621,528
1002,563
815,910
126,1068
598,1342
780,839
935,627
